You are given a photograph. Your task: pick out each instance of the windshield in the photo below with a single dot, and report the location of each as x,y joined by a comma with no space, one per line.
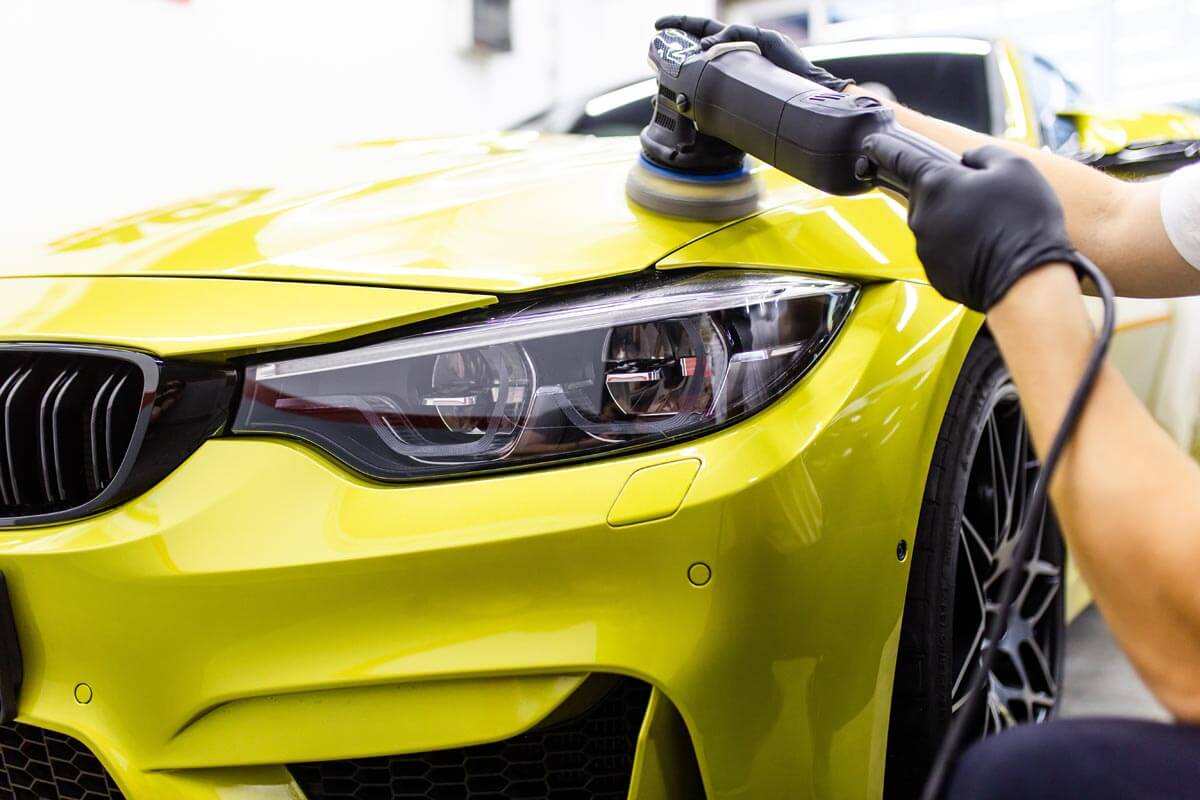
949,86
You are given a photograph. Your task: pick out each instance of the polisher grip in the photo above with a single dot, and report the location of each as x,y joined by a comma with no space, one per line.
897,152
808,131
715,105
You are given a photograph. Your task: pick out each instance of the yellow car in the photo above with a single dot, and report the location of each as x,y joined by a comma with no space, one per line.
439,470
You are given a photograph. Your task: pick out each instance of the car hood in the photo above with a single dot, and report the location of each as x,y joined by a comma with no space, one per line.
498,213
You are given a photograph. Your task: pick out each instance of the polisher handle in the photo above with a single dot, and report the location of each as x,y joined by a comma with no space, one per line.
902,143
808,131
735,95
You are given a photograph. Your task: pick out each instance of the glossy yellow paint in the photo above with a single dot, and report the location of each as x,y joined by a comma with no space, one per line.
864,237
1020,118
665,765
260,586
325,723
653,493
1106,131
503,213
189,317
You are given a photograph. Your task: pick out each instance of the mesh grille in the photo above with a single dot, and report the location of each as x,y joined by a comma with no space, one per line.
37,764
589,757
66,423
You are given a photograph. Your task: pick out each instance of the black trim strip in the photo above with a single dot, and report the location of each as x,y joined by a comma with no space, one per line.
12,667
45,446
108,426
4,493
8,444
55,439
94,430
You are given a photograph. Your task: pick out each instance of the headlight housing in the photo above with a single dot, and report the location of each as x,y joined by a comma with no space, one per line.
631,364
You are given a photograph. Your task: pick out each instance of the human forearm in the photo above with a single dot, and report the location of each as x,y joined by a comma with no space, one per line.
986,228
1114,223
1127,497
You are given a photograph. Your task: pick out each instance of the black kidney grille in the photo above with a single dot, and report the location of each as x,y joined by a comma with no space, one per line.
67,420
588,757
37,764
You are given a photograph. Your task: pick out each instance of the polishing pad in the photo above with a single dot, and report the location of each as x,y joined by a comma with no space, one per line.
728,195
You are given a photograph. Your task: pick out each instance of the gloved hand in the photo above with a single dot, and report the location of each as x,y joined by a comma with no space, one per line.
777,48
980,225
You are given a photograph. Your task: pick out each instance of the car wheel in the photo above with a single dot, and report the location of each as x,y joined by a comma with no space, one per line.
979,484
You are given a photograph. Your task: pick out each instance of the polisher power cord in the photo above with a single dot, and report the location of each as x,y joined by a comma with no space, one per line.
958,732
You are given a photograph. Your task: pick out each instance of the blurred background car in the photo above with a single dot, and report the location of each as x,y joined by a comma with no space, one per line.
990,86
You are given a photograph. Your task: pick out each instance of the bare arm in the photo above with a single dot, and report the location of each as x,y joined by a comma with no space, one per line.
1127,497
1114,223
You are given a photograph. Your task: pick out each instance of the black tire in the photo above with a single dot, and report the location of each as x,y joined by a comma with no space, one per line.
943,612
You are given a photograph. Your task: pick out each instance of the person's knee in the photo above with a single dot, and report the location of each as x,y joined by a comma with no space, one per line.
1091,758
1019,763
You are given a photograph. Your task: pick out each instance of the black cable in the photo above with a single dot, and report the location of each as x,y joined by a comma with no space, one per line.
977,690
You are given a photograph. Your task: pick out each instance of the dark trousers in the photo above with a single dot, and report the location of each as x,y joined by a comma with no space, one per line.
1096,759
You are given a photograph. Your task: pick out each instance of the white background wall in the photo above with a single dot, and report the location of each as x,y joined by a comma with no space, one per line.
110,106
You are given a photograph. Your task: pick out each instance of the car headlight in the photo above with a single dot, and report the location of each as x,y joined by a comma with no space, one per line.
634,363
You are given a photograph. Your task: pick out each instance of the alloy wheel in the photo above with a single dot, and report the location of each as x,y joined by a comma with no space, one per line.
1023,685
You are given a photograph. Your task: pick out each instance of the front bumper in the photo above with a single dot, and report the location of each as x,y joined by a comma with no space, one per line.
262,606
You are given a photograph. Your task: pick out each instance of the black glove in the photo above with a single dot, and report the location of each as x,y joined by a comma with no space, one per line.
980,225
777,48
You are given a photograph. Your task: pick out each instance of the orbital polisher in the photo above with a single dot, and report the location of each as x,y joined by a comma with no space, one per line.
714,106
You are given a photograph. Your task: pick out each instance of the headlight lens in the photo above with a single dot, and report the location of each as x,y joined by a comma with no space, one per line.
635,363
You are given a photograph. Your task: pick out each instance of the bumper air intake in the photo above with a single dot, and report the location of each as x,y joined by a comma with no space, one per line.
584,751
37,764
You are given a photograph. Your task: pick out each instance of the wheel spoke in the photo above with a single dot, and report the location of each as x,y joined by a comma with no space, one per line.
977,537
1047,601
1044,666
995,476
1027,582
970,660
992,721
968,534
1022,474
1005,696
1042,700
998,704
1013,521
1003,486
1026,689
